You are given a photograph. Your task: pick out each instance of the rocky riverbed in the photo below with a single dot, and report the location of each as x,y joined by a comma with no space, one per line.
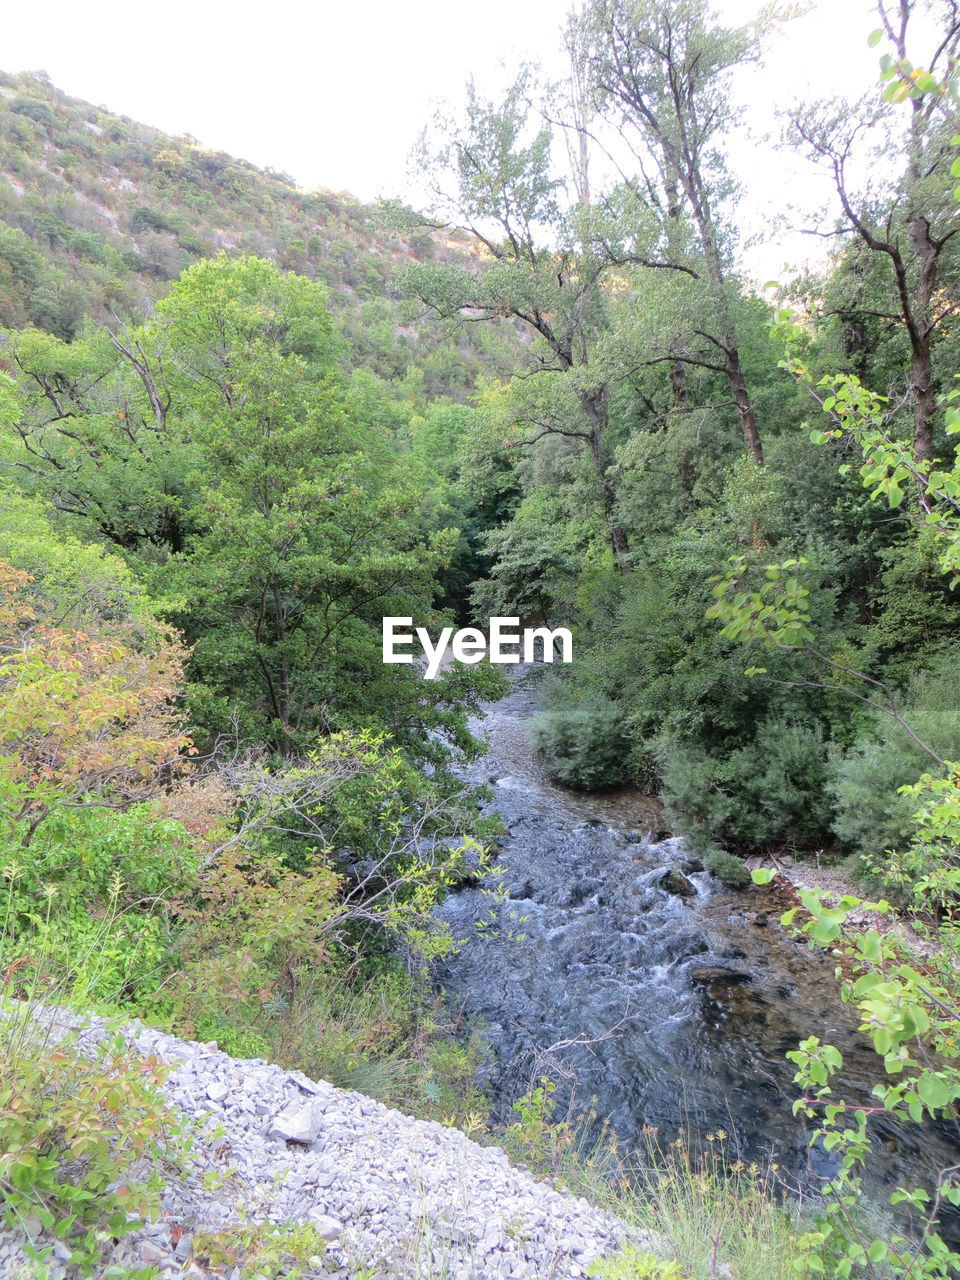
390,1196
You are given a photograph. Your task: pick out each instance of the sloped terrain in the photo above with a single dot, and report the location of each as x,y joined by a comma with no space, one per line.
98,214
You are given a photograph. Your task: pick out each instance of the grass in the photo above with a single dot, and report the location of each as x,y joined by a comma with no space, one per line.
714,1219
711,1217
381,1035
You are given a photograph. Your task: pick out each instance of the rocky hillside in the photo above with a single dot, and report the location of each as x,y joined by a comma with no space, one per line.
340,1184
98,213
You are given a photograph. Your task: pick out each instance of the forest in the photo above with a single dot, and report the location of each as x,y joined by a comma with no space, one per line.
242,424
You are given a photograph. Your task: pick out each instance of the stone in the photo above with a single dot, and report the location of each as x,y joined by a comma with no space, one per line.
298,1123
704,973
184,1247
378,1180
675,882
326,1227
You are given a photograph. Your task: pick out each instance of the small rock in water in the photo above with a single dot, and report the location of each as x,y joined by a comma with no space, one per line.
703,974
675,882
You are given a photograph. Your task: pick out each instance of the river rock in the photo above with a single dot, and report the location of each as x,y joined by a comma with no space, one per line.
675,882
703,974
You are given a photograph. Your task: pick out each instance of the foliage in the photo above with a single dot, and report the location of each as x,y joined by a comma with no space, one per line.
727,867
873,813
289,1250
75,1128
632,1264
908,1009
770,790
584,744
276,525
271,453
85,718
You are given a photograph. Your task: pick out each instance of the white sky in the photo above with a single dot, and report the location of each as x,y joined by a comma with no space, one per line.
335,93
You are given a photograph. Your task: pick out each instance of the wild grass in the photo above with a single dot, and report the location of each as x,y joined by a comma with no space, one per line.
380,1034
717,1220
712,1217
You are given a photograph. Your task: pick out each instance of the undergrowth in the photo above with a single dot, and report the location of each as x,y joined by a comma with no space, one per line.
705,1216
85,1135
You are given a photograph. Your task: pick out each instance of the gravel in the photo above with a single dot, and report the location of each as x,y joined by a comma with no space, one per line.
393,1198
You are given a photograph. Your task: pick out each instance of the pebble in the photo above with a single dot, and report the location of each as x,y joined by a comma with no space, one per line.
386,1193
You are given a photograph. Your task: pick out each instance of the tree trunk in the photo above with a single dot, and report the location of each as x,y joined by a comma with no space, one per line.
678,384
697,196
596,411
924,401
618,538
741,398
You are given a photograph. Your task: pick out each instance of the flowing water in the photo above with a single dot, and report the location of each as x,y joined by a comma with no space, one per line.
661,999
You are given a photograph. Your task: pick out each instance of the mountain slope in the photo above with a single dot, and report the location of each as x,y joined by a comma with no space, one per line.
98,213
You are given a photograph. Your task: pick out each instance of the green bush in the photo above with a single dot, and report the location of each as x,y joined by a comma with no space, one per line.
34,109
145,219
727,867
585,745
770,791
871,817
74,1130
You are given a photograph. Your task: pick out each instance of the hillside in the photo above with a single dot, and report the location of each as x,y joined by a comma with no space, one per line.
99,213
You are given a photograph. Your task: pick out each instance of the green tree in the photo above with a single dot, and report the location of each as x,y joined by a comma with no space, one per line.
538,272
903,216
659,75
218,447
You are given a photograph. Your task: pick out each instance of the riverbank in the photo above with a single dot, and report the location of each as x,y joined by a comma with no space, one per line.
652,994
794,874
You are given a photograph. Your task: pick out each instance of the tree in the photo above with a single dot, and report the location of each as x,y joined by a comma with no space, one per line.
904,214
908,1003
658,75
217,445
306,525
537,272
98,433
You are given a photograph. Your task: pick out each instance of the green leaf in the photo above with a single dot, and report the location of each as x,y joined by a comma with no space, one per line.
874,38
933,1091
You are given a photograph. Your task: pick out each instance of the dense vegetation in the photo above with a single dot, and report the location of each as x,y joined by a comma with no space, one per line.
241,424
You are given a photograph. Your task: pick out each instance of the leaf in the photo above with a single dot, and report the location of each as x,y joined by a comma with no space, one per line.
933,1091
874,38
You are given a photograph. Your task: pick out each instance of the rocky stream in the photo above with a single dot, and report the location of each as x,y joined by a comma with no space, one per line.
609,960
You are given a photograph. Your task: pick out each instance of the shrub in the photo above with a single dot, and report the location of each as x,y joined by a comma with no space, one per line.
770,791
871,816
727,867
73,1129
145,219
585,745
34,109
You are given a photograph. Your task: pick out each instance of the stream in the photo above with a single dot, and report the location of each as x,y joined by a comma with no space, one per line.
655,999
